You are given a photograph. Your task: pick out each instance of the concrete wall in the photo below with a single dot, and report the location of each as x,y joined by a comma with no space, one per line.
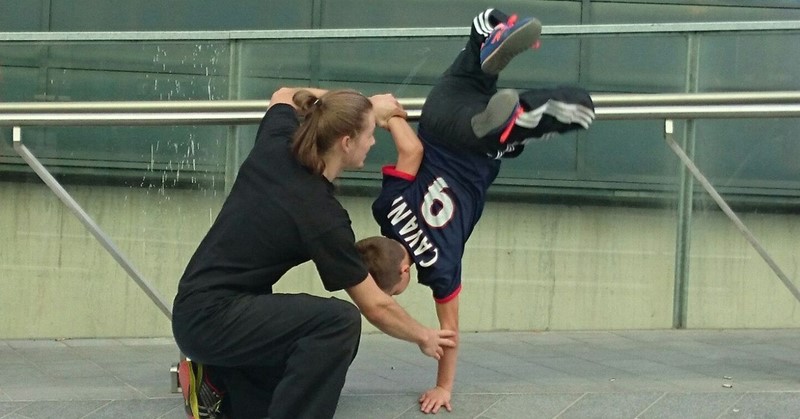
527,266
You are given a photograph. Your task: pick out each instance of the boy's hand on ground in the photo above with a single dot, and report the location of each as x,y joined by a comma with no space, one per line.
435,341
385,107
433,399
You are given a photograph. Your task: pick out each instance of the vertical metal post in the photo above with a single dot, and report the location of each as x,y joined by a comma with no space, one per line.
232,148
685,199
583,69
314,50
683,236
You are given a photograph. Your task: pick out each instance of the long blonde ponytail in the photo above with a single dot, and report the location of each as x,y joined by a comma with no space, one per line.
335,114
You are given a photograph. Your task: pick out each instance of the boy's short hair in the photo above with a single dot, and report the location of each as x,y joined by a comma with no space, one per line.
383,257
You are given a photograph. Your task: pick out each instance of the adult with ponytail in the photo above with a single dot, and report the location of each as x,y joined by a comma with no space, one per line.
254,353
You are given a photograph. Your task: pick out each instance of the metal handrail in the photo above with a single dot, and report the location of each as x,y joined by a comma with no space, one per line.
384,33
608,106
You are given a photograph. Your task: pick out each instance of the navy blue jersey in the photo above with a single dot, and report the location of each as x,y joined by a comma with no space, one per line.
433,213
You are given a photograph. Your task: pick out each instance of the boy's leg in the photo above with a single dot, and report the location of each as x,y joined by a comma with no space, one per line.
505,126
507,40
465,88
468,62
551,111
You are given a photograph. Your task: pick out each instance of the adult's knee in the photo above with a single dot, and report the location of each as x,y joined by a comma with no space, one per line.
347,318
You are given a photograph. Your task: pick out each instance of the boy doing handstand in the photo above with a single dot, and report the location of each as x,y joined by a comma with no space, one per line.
433,197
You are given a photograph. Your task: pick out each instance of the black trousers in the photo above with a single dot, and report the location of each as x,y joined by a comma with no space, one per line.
464,90
276,355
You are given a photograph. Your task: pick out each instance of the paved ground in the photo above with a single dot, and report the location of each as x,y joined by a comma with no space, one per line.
619,374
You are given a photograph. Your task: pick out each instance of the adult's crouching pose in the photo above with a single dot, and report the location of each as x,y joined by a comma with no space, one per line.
255,353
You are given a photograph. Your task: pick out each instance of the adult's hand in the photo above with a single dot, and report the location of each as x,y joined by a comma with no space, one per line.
435,341
386,107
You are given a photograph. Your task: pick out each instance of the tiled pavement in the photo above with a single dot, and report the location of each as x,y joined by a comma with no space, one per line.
615,374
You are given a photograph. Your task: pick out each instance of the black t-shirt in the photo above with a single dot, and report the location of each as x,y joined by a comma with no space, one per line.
277,216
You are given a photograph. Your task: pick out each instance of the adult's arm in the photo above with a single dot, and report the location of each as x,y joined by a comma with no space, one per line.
383,311
386,107
285,95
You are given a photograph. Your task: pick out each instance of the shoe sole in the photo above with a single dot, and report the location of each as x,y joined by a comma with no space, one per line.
184,380
495,117
519,41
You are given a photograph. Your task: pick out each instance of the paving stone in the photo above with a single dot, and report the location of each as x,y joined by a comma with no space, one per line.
625,374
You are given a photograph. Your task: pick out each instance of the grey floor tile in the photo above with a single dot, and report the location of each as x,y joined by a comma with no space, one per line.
10,356
667,356
71,369
765,406
40,354
531,406
94,388
71,409
464,406
376,406
610,405
80,343
36,343
658,374
690,405
176,413
138,409
6,408
26,373
156,341
577,367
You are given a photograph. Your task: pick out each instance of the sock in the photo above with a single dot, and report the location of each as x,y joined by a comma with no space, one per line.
486,20
496,16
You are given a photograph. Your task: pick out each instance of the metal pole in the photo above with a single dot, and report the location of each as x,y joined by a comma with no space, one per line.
683,239
88,222
668,136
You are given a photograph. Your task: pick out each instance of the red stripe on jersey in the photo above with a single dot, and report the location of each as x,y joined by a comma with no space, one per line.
454,294
392,171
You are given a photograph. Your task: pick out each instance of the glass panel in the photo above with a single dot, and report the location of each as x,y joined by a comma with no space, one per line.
448,13
177,15
628,151
749,62
760,153
641,12
145,71
22,16
639,64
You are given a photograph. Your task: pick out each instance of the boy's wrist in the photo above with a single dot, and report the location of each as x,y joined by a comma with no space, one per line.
397,118
448,389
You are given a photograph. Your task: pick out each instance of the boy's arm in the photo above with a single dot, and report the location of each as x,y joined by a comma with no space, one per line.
409,147
383,311
439,396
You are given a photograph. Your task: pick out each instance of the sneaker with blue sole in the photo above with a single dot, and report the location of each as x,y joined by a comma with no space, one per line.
508,40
